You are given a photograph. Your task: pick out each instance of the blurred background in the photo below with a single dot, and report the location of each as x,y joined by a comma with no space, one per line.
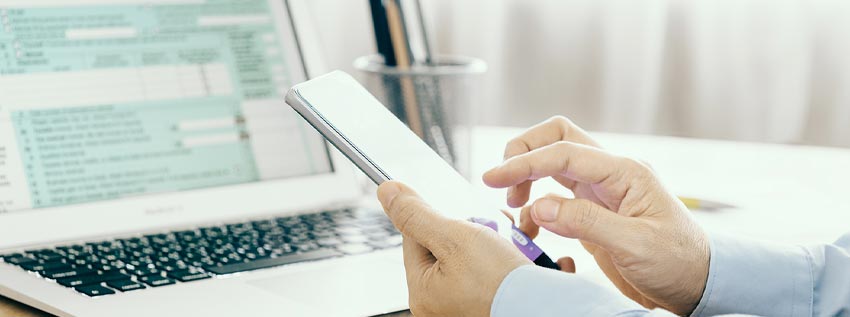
753,70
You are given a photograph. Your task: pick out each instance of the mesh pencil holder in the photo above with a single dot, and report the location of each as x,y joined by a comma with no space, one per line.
435,101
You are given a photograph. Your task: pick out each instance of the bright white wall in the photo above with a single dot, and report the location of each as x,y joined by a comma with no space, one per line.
759,70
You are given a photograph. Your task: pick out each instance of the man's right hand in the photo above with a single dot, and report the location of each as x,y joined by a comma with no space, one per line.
640,235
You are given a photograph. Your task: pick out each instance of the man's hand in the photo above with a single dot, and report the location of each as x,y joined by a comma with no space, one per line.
640,235
454,267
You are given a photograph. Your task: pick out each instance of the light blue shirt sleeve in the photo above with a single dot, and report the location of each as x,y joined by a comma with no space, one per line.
745,277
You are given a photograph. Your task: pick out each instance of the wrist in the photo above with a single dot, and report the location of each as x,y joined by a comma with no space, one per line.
699,278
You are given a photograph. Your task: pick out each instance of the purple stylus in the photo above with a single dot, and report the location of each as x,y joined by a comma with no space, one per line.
523,243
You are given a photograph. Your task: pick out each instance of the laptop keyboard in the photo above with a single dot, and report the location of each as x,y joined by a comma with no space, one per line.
122,265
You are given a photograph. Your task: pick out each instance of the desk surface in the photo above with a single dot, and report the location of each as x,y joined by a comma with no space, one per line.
783,193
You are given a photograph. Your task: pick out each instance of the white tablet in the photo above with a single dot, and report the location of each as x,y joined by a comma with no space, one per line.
383,147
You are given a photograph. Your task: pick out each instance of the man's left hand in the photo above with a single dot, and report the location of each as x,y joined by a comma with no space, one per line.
454,267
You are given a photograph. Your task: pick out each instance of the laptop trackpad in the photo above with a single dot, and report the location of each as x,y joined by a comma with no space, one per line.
358,288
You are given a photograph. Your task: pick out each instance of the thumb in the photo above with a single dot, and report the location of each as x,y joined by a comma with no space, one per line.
416,220
584,220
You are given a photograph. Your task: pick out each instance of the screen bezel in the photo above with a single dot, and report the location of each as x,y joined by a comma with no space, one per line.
148,213
335,137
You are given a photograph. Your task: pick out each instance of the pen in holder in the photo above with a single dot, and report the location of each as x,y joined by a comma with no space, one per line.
436,101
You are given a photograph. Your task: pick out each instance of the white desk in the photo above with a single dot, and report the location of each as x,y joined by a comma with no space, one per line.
785,193
792,194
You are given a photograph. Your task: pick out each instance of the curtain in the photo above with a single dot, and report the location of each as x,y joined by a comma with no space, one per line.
755,70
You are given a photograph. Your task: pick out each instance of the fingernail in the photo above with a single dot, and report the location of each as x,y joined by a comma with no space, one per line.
547,210
387,192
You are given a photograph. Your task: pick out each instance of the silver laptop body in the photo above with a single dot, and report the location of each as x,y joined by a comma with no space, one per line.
147,155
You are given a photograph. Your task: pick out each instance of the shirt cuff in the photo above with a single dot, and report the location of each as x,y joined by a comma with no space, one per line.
534,291
750,277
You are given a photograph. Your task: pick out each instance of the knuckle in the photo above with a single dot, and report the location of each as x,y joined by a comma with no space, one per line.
515,147
408,214
636,166
562,148
562,121
564,124
584,218
514,142
396,203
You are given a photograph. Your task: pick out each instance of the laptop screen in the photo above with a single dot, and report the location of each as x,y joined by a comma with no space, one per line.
106,99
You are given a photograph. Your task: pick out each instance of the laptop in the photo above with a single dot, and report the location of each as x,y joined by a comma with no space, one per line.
150,167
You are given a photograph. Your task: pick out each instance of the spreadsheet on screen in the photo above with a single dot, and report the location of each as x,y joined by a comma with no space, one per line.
101,100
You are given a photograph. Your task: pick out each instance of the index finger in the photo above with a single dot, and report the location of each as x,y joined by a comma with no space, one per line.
416,220
555,129
574,161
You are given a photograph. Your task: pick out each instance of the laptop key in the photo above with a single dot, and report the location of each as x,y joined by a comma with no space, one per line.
323,234
306,246
66,272
329,242
348,230
382,244
272,262
156,280
354,248
144,271
355,238
7,257
20,260
90,279
94,290
125,285
42,266
378,235
49,256
188,275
